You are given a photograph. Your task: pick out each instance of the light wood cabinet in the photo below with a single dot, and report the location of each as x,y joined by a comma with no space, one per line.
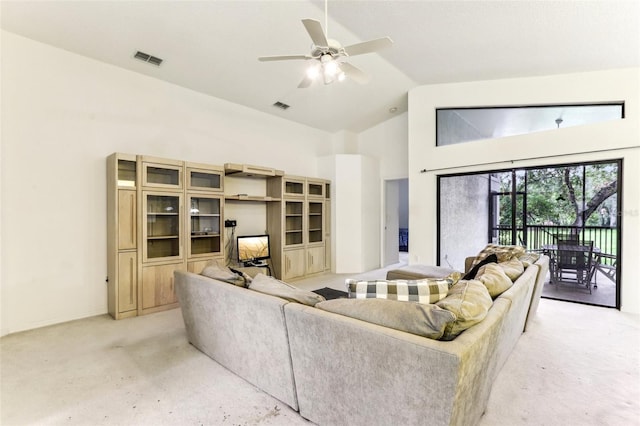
162,215
297,226
122,235
165,215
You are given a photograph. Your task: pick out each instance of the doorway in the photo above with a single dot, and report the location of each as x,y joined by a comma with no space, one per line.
395,224
539,207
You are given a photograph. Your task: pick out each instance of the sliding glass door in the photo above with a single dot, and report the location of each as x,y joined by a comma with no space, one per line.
536,207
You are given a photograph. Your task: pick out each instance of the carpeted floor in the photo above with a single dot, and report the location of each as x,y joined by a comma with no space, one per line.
576,365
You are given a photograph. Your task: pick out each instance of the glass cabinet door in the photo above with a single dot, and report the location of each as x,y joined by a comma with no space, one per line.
293,187
126,173
204,180
204,226
162,226
315,189
161,175
315,221
293,219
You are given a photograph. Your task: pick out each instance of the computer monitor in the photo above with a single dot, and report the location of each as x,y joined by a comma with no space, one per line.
253,249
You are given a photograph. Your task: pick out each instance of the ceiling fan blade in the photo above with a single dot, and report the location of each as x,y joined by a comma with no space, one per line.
368,46
306,82
314,28
355,74
283,58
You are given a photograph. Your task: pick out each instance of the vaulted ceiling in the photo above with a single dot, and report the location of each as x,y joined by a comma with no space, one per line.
212,46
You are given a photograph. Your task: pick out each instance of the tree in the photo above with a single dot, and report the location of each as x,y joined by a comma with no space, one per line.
569,196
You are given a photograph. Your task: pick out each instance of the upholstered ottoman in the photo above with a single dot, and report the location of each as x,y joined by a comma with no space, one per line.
415,272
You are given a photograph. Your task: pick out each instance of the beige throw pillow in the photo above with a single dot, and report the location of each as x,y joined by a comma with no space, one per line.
494,279
469,301
529,258
513,268
269,285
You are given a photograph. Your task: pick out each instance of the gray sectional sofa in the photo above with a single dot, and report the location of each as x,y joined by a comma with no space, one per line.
337,370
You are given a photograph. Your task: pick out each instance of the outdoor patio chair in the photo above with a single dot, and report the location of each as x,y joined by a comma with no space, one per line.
607,264
572,263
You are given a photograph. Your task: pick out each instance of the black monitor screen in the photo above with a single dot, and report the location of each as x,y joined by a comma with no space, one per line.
253,247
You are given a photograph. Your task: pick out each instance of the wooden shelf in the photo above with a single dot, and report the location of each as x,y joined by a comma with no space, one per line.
247,170
250,198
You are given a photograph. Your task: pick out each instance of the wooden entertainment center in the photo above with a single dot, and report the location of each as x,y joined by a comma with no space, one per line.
165,215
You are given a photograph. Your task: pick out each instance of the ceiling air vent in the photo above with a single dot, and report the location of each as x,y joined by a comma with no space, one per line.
148,58
281,105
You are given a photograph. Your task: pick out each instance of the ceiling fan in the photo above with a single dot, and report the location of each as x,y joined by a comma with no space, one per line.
326,55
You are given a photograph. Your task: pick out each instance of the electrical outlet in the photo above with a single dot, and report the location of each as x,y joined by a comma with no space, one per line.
229,223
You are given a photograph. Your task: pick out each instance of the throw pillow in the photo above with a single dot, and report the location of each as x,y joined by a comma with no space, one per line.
427,290
221,273
529,258
494,279
492,258
269,285
504,253
469,301
513,268
454,277
411,317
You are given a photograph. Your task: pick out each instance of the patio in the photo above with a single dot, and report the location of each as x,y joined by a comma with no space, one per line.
603,295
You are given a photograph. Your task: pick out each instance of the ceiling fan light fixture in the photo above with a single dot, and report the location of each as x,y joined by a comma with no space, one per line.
313,72
341,76
330,67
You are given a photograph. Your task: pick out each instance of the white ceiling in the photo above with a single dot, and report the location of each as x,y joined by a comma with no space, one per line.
212,46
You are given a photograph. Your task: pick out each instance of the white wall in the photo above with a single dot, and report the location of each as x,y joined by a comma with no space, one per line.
600,141
355,207
387,142
62,115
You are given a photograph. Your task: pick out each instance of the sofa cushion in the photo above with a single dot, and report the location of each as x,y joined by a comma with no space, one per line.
221,273
513,268
504,253
411,317
492,258
494,279
469,301
269,285
427,290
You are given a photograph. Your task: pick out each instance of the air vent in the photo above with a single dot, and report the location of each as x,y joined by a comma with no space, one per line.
281,105
148,58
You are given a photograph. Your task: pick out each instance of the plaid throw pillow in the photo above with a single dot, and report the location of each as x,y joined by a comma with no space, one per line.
422,291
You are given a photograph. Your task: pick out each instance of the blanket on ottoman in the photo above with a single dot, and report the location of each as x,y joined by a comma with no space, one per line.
415,272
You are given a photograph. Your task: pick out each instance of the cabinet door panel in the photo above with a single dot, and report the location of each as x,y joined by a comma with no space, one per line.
126,219
196,266
293,264
315,259
157,285
127,280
